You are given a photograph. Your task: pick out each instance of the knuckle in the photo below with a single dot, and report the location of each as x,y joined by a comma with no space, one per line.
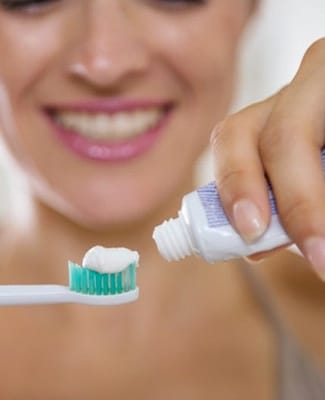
312,61
246,121
217,131
224,133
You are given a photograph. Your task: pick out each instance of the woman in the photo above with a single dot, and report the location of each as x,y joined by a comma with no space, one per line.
105,106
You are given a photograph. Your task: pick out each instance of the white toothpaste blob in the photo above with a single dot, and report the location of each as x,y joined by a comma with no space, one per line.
109,259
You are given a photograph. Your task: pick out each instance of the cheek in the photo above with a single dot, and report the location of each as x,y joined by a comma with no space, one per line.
28,59
25,55
32,49
201,54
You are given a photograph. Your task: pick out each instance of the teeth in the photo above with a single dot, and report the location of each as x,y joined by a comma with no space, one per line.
121,125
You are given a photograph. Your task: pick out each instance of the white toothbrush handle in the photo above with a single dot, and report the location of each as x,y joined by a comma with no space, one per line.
32,294
11,295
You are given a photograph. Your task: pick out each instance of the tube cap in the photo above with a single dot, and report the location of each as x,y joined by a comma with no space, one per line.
173,240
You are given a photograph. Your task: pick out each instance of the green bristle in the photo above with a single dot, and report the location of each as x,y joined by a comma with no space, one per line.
92,288
119,282
98,283
105,284
125,281
86,281
112,285
133,282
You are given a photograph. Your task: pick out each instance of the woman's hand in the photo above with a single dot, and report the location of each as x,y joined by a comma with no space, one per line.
282,137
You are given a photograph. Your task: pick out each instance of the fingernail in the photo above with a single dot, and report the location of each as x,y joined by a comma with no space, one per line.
254,261
314,248
248,220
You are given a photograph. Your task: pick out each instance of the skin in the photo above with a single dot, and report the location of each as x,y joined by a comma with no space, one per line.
171,343
292,119
158,64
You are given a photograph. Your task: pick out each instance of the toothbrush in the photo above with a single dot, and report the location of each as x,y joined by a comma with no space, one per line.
85,287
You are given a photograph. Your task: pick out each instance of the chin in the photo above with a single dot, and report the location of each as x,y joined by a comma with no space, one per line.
109,222
105,217
121,204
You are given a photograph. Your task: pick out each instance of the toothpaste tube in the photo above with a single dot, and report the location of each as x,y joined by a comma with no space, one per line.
203,229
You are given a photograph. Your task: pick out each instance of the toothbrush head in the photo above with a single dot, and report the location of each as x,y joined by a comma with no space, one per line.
87,281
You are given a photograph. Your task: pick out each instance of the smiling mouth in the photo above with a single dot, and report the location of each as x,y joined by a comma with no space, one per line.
115,127
109,131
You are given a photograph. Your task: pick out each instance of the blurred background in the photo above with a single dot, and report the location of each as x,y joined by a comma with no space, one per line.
271,51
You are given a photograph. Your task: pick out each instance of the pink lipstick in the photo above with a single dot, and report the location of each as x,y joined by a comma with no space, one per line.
103,149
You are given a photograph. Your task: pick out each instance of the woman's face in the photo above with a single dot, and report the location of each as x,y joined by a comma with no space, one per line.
106,104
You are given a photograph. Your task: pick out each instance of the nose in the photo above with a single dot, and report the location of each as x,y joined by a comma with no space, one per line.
109,47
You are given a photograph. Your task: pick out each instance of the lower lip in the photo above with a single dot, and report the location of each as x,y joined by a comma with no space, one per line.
109,151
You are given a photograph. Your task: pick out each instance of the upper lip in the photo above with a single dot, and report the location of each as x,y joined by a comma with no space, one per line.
109,106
